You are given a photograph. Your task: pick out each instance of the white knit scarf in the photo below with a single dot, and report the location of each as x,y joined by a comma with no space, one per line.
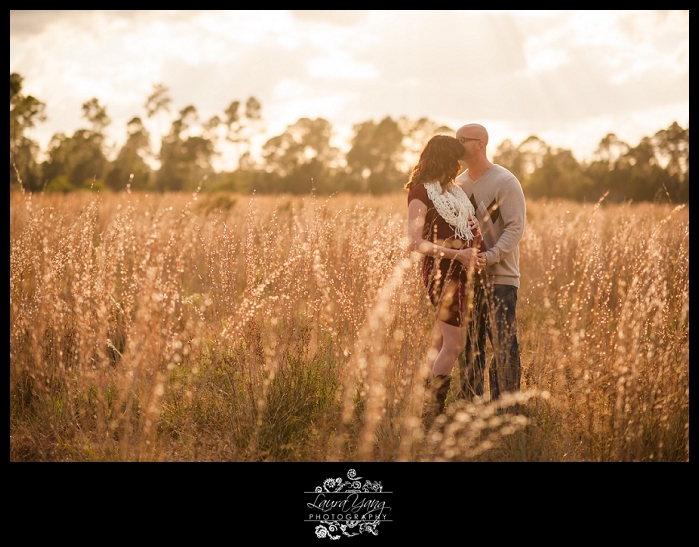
453,206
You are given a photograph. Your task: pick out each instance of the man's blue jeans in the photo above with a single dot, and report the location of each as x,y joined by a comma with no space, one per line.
493,316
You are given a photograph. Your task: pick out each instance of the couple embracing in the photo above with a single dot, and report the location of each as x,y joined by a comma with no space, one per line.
467,225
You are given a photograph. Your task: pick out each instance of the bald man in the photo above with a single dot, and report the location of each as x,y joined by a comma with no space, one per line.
497,196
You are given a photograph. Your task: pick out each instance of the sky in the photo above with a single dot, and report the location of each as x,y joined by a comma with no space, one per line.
569,77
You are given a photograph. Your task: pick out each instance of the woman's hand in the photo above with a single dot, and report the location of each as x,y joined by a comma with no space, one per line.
474,224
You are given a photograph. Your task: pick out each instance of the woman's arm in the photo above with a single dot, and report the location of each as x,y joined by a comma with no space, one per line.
416,222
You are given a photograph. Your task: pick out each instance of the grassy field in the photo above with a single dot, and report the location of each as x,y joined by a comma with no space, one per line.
180,327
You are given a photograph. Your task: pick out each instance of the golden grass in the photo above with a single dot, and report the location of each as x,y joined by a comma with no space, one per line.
184,327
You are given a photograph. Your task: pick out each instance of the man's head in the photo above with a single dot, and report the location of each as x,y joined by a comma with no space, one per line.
474,138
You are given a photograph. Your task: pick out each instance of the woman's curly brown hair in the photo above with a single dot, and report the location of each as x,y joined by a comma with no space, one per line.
439,160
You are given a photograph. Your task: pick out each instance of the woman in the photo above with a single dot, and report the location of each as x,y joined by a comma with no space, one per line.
442,226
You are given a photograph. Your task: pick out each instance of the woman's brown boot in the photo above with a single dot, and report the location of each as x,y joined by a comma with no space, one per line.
436,393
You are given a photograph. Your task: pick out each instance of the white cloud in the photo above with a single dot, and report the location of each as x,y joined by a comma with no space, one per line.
334,17
545,59
295,100
341,67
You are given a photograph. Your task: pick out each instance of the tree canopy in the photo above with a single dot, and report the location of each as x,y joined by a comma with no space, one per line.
25,112
305,157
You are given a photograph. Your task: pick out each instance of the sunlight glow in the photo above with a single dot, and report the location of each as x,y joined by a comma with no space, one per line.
526,72
341,67
542,60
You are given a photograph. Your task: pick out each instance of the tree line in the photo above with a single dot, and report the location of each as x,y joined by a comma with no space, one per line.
302,159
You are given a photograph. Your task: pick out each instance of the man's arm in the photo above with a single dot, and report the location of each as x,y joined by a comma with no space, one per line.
513,213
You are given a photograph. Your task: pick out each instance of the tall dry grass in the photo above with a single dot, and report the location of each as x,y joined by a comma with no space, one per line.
186,327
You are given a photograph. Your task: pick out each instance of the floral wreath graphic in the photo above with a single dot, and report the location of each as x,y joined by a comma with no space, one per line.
332,529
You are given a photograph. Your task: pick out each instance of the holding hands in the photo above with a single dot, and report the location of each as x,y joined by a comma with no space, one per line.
471,258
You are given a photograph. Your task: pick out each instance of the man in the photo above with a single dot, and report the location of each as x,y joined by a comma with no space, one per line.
498,199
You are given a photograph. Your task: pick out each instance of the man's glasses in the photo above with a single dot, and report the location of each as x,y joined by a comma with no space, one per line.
463,140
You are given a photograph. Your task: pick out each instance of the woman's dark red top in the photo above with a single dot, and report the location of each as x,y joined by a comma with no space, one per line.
439,231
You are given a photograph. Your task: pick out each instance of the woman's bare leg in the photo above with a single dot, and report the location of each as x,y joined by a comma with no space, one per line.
447,343
435,345
452,343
